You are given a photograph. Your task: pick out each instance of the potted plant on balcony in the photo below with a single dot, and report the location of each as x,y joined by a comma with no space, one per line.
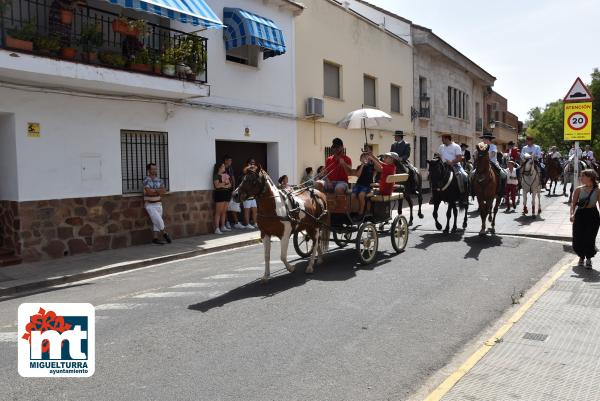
91,40
155,61
68,52
130,27
141,61
170,58
194,56
112,59
21,39
47,45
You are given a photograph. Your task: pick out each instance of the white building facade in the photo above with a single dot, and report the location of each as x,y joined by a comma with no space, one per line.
75,134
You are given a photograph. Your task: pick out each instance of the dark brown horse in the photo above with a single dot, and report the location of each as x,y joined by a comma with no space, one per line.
280,214
553,173
485,188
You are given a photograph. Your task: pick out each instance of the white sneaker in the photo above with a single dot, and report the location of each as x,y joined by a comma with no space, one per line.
227,225
254,227
239,226
219,232
225,228
249,227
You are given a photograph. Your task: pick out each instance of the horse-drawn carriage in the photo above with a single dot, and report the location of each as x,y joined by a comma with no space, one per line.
364,231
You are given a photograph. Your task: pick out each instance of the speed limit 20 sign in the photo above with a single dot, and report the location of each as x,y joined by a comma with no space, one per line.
578,121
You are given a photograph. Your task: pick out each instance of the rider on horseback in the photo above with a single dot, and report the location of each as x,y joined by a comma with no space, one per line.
535,151
402,149
493,150
451,154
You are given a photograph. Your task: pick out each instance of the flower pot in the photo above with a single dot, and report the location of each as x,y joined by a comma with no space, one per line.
124,29
157,69
68,53
66,17
90,57
141,67
169,70
19,44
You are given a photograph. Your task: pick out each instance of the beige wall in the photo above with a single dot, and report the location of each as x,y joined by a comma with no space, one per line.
327,32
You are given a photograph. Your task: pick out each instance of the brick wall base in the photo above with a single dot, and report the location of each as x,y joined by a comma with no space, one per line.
37,230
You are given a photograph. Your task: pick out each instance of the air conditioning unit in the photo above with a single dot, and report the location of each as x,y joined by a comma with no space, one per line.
314,107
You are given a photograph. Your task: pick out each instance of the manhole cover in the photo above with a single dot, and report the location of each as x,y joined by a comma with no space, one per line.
535,336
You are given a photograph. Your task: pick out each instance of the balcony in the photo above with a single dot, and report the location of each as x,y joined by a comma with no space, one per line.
425,112
424,109
64,44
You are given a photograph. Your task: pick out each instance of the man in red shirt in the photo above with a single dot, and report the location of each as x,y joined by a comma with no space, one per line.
337,168
513,152
387,168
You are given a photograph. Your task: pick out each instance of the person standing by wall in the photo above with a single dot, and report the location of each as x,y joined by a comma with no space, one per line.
250,206
222,196
585,218
153,190
233,208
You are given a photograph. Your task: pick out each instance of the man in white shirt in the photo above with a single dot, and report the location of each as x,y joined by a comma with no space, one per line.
493,152
572,152
589,154
535,151
451,154
554,153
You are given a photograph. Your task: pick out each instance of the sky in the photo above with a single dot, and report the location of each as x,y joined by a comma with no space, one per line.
535,48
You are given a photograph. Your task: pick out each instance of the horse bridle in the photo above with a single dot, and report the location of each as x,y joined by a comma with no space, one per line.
447,185
529,174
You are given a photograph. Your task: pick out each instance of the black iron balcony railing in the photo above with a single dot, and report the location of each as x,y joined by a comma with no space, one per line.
66,30
424,112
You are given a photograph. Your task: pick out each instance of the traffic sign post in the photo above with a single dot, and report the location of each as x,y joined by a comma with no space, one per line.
578,120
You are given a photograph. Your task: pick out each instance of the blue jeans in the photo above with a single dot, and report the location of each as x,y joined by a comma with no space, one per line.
360,188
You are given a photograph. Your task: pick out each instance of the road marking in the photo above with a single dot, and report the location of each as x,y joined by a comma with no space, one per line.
119,306
194,285
252,268
224,276
8,337
167,294
455,377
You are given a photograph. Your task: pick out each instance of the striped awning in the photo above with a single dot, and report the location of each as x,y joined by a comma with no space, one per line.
195,12
244,28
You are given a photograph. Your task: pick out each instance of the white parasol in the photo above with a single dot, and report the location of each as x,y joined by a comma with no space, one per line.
363,119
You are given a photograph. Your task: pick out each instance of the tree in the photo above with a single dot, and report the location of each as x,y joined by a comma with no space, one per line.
546,124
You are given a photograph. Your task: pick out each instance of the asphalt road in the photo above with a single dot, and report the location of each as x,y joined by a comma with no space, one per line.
206,329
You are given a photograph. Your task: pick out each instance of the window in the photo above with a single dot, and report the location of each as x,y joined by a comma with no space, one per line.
247,55
331,80
423,152
477,110
422,86
139,148
370,91
396,98
458,103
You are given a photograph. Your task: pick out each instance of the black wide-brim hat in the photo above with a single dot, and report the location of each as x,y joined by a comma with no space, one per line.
399,133
464,145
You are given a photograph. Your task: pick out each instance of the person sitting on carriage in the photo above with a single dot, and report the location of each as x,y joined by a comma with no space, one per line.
365,173
402,149
385,168
535,151
451,154
337,168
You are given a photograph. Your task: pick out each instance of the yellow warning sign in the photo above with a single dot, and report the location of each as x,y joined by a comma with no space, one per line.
578,121
33,130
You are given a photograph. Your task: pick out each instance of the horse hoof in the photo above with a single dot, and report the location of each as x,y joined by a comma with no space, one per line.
464,226
482,233
291,269
454,230
421,215
264,279
446,231
309,270
492,231
438,226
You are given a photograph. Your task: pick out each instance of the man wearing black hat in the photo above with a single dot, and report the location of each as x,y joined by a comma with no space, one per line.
493,150
337,166
402,149
466,152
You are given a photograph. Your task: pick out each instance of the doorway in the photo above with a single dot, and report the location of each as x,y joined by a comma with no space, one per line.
240,152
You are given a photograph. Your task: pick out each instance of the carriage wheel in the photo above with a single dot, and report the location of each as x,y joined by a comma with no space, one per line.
303,244
342,240
399,233
367,243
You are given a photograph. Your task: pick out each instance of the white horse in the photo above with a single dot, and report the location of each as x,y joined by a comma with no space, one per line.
531,182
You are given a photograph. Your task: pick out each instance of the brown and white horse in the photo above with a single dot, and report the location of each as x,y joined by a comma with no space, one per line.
280,215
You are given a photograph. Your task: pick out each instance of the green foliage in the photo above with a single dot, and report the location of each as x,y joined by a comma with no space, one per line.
141,57
91,38
193,53
112,59
171,56
47,43
546,124
28,32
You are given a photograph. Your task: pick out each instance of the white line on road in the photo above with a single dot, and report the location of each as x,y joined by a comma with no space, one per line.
168,294
224,276
248,269
119,306
8,337
194,285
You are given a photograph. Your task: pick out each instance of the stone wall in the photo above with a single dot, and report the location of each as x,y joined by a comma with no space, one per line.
62,227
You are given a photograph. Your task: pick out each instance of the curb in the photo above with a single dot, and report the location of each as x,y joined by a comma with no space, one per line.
50,282
532,236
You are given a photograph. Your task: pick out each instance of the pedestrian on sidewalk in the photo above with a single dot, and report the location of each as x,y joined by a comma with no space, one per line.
234,207
250,206
222,195
512,182
585,218
153,190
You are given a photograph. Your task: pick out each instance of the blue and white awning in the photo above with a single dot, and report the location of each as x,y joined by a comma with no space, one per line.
195,12
245,28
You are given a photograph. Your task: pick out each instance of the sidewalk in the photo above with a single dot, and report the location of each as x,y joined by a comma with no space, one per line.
548,350
30,276
552,224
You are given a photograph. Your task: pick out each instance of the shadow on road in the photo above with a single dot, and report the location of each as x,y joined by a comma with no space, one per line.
478,243
526,220
436,238
339,265
26,293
